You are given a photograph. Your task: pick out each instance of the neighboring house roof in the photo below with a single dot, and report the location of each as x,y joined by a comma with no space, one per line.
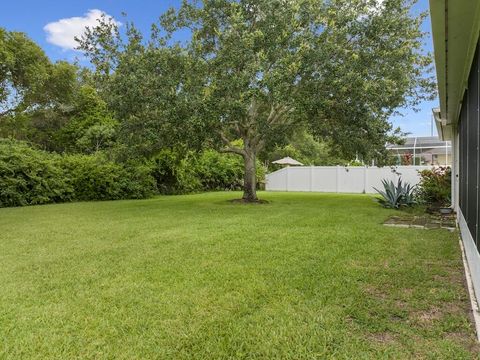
420,142
455,28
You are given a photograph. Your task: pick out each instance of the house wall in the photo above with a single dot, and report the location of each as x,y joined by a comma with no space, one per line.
442,160
468,171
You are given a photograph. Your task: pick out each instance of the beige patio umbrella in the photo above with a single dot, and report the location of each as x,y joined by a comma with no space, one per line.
287,161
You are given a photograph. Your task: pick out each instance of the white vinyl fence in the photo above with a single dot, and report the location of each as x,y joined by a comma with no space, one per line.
340,179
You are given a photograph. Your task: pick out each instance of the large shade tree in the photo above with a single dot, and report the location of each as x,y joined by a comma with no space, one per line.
34,93
252,71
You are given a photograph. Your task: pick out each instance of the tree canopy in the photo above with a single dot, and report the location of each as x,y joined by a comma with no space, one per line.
256,70
28,78
35,94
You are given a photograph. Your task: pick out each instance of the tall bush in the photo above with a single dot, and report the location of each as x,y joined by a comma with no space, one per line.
178,173
217,171
29,176
174,172
223,171
137,181
94,177
435,186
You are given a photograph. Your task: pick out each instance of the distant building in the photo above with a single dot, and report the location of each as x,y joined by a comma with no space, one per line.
426,150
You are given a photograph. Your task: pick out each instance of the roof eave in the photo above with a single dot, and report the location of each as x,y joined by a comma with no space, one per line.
455,28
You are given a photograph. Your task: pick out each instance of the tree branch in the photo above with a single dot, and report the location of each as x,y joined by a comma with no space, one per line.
229,148
277,113
232,150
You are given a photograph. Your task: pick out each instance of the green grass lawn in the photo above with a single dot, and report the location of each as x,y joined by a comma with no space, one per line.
197,277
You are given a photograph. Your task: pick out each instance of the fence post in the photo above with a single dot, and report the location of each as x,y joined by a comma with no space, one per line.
365,179
311,178
338,179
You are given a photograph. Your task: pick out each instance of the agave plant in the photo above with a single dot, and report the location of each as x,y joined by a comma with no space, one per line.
396,196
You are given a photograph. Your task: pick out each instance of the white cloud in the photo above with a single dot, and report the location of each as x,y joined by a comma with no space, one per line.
63,32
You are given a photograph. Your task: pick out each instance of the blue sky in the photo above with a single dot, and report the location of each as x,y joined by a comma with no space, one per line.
31,17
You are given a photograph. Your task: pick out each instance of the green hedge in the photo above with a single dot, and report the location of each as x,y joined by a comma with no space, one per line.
180,173
95,178
29,176
217,171
174,173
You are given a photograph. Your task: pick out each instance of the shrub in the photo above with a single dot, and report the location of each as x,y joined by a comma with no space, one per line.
179,173
435,186
218,171
29,176
223,171
174,172
137,181
94,177
396,196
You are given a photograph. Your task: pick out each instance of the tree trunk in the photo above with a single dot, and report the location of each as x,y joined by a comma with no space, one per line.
250,176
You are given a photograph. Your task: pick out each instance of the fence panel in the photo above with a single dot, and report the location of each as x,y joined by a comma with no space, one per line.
325,179
351,180
339,179
299,178
278,180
